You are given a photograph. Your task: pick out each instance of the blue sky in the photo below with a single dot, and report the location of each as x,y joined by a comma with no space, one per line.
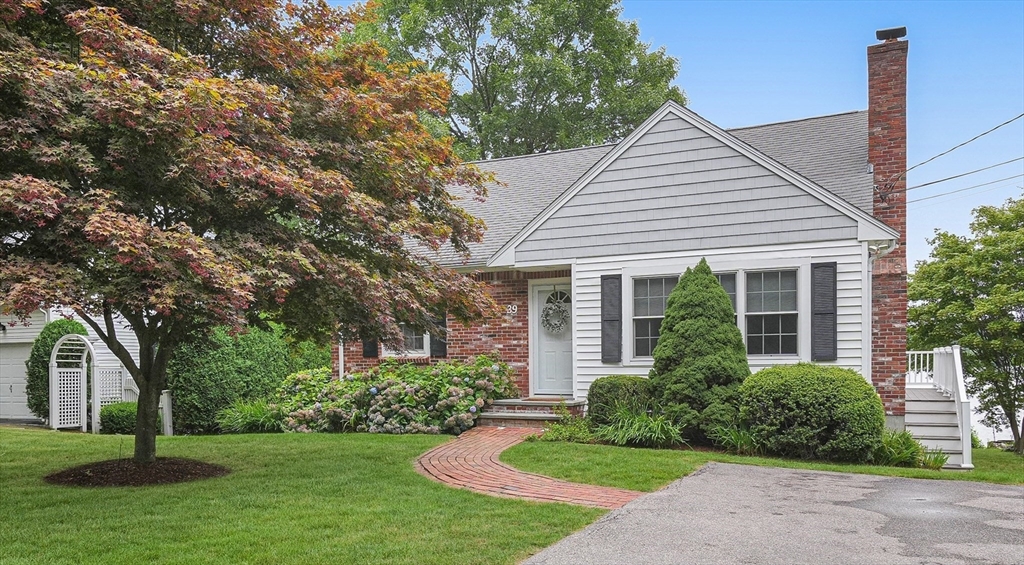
747,63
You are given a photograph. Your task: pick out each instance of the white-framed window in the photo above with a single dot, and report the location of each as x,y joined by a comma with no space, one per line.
650,296
771,313
417,343
765,301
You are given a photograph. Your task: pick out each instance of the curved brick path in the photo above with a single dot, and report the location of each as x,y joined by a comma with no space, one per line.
471,462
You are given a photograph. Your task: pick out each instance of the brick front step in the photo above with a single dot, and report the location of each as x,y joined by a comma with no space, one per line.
512,421
535,412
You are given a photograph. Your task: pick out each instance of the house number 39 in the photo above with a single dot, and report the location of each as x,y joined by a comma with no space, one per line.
511,309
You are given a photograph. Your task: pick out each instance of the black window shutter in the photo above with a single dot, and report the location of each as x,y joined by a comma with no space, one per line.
823,312
370,348
611,318
439,341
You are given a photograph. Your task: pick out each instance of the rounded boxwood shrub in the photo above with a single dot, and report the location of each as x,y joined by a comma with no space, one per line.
813,412
118,418
37,384
607,393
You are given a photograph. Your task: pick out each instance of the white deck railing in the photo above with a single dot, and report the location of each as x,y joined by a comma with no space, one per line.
943,369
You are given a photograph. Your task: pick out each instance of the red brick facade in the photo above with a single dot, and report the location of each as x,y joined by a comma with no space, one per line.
507,335
887,152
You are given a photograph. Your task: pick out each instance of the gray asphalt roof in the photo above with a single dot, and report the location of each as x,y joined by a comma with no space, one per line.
831,151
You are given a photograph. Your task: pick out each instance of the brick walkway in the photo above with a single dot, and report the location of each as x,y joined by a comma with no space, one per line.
471,462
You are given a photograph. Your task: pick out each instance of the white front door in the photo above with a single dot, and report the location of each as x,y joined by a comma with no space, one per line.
552,348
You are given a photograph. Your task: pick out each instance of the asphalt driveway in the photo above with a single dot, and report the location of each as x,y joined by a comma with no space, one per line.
733,514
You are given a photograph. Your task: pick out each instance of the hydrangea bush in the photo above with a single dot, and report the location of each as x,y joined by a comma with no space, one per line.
394,398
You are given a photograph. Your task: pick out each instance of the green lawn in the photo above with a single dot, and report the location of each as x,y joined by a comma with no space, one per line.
650,469
291,498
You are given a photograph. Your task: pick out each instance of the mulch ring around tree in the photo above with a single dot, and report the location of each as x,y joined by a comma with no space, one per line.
128,473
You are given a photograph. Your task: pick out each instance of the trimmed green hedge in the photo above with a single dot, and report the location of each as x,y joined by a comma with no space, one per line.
209,376
813,412
37,384
118,418
606,393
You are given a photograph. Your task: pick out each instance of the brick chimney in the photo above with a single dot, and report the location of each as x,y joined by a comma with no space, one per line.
887,152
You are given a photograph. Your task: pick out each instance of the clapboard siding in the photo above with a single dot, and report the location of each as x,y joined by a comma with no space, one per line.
18,332
678,189
22,332
851,325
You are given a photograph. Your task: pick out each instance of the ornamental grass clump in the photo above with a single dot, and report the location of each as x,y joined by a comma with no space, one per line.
700,360
393,398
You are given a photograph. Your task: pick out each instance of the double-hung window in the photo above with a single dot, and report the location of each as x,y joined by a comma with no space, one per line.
649,299
416,343
771,313
765,303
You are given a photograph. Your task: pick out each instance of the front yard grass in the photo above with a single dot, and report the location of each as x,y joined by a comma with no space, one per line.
291,498
650,469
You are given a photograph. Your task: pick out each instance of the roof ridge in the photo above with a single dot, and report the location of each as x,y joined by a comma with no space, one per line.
797,120
510,157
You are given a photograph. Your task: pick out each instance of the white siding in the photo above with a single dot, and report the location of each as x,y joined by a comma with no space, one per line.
19,332
848,254
679,189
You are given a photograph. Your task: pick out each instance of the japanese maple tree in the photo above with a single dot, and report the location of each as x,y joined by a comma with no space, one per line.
232,167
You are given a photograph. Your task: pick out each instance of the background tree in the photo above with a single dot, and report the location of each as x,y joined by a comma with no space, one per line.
971,292
700,360
263,176
532,75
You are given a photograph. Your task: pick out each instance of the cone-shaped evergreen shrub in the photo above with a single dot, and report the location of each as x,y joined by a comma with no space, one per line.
37,374
700,360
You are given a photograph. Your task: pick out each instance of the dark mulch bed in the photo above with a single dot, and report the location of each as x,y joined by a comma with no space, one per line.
128,473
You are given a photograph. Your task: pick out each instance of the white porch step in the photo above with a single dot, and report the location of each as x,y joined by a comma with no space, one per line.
946,444
930,418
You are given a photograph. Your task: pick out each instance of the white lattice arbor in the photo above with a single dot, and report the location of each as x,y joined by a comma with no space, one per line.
69,364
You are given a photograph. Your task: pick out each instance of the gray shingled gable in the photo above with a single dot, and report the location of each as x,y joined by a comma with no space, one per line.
831,151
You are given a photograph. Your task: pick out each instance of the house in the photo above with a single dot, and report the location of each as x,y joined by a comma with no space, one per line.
16,339
804,222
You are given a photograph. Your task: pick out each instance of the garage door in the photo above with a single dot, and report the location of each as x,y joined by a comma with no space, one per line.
13,400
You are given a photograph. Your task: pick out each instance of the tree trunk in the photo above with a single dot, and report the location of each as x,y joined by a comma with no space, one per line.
146,425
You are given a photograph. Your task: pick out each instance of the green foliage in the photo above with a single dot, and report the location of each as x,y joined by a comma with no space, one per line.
249,417
971,292
570,428
118,418
898,449
607,392
813,412
37,385
700,360
975,439
539,75
736,439
634,425
934,460
187,167
393,398
210,374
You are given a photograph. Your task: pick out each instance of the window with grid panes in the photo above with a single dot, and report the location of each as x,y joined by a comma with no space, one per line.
649,299
771,313
728,282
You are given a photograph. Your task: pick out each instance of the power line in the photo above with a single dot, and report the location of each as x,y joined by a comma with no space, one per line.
963,189
975,138
990,189
964,174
